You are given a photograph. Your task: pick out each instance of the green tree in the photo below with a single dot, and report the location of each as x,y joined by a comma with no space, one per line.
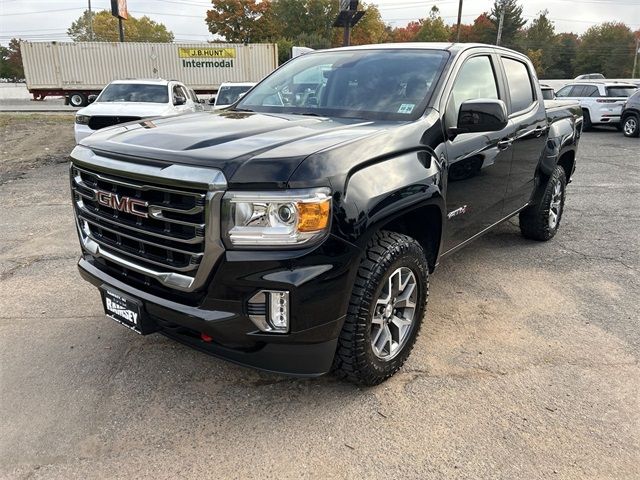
11,61
539,37
607,48
563,54
511,24
433,28
105,29
370,29
239,20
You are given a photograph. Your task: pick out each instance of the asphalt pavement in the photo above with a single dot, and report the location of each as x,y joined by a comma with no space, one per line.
526,367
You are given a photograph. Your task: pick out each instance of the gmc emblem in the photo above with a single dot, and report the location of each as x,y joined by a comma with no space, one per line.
123,204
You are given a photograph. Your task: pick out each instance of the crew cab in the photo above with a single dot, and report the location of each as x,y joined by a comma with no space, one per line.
127,100
296,231
601,101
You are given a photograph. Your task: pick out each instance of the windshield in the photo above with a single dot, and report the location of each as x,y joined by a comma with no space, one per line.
229,95
620,91
134,92
367,84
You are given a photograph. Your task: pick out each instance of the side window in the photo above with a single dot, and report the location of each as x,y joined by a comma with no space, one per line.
520,86
476,79
578,91
591,91
564,91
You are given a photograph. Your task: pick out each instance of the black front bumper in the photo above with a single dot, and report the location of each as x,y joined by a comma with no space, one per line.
318,309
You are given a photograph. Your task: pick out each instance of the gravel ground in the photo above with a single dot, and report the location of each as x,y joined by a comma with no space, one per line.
527,366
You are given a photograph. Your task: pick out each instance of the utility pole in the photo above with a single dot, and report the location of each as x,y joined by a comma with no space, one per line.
459,20
90,22
121,29
346,37
500,26
635,58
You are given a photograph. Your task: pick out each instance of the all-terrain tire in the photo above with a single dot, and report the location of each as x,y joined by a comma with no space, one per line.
386,252
541,221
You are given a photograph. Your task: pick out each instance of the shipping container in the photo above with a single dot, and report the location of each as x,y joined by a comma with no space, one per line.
84,68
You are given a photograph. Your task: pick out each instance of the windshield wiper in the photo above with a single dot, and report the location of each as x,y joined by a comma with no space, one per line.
309,114
242,110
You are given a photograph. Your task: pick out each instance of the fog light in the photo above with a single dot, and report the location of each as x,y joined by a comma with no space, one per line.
269,310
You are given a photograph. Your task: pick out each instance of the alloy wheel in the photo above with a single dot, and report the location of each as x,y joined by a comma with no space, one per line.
394,314
555,208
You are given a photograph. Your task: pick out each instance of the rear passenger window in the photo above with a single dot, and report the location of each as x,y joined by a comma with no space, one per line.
577,91
475,80
591,91
520,87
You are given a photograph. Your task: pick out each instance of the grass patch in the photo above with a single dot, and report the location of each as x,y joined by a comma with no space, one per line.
13,118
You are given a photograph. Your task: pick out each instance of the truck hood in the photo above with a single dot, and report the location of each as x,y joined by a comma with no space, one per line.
256,148
128,109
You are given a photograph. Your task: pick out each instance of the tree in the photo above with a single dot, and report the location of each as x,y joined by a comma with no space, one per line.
241,21
563,53
539,37
105,29
607,48
11,61
370,29
433,28
408,33
512,22
481,31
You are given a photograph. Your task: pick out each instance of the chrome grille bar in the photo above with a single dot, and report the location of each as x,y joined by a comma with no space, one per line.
171,236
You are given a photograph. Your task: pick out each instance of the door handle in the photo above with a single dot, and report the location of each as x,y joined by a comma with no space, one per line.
539,131
505,143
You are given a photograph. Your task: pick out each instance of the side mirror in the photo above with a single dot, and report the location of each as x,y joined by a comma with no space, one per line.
212,100
178,100
91,98
481,115
200,100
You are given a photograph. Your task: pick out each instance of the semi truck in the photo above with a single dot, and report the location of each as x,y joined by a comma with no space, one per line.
76,70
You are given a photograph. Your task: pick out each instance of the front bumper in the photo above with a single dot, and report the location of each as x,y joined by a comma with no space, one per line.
319,284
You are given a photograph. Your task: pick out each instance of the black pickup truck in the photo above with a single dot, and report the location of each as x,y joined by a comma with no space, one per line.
295,231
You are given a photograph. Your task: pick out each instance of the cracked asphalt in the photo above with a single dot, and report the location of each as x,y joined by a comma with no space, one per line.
526,368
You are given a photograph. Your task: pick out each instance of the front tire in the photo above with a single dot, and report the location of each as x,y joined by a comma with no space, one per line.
541,221
631,125
385,311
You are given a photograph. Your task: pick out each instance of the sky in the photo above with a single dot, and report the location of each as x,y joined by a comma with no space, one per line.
46,20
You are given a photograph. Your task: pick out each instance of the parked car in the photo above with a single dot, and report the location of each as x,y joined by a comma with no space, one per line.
229,93
630,118
601,102
590,76
295,232
548,93
128,100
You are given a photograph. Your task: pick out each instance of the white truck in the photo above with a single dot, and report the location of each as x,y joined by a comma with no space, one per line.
76,70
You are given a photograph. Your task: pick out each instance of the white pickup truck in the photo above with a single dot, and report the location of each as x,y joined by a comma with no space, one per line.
128,100
601,100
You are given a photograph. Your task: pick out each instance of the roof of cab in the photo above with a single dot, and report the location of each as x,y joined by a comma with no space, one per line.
454,48
145,81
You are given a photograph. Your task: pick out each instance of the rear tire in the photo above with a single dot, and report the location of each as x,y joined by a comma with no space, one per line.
77,100
586,118
385,310
631,125
542,220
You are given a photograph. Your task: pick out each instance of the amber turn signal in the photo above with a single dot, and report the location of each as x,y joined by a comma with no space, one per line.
313,216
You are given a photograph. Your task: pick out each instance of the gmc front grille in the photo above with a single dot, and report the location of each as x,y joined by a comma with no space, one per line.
172,234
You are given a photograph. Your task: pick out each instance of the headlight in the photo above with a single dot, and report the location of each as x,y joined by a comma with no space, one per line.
273,219
82,119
